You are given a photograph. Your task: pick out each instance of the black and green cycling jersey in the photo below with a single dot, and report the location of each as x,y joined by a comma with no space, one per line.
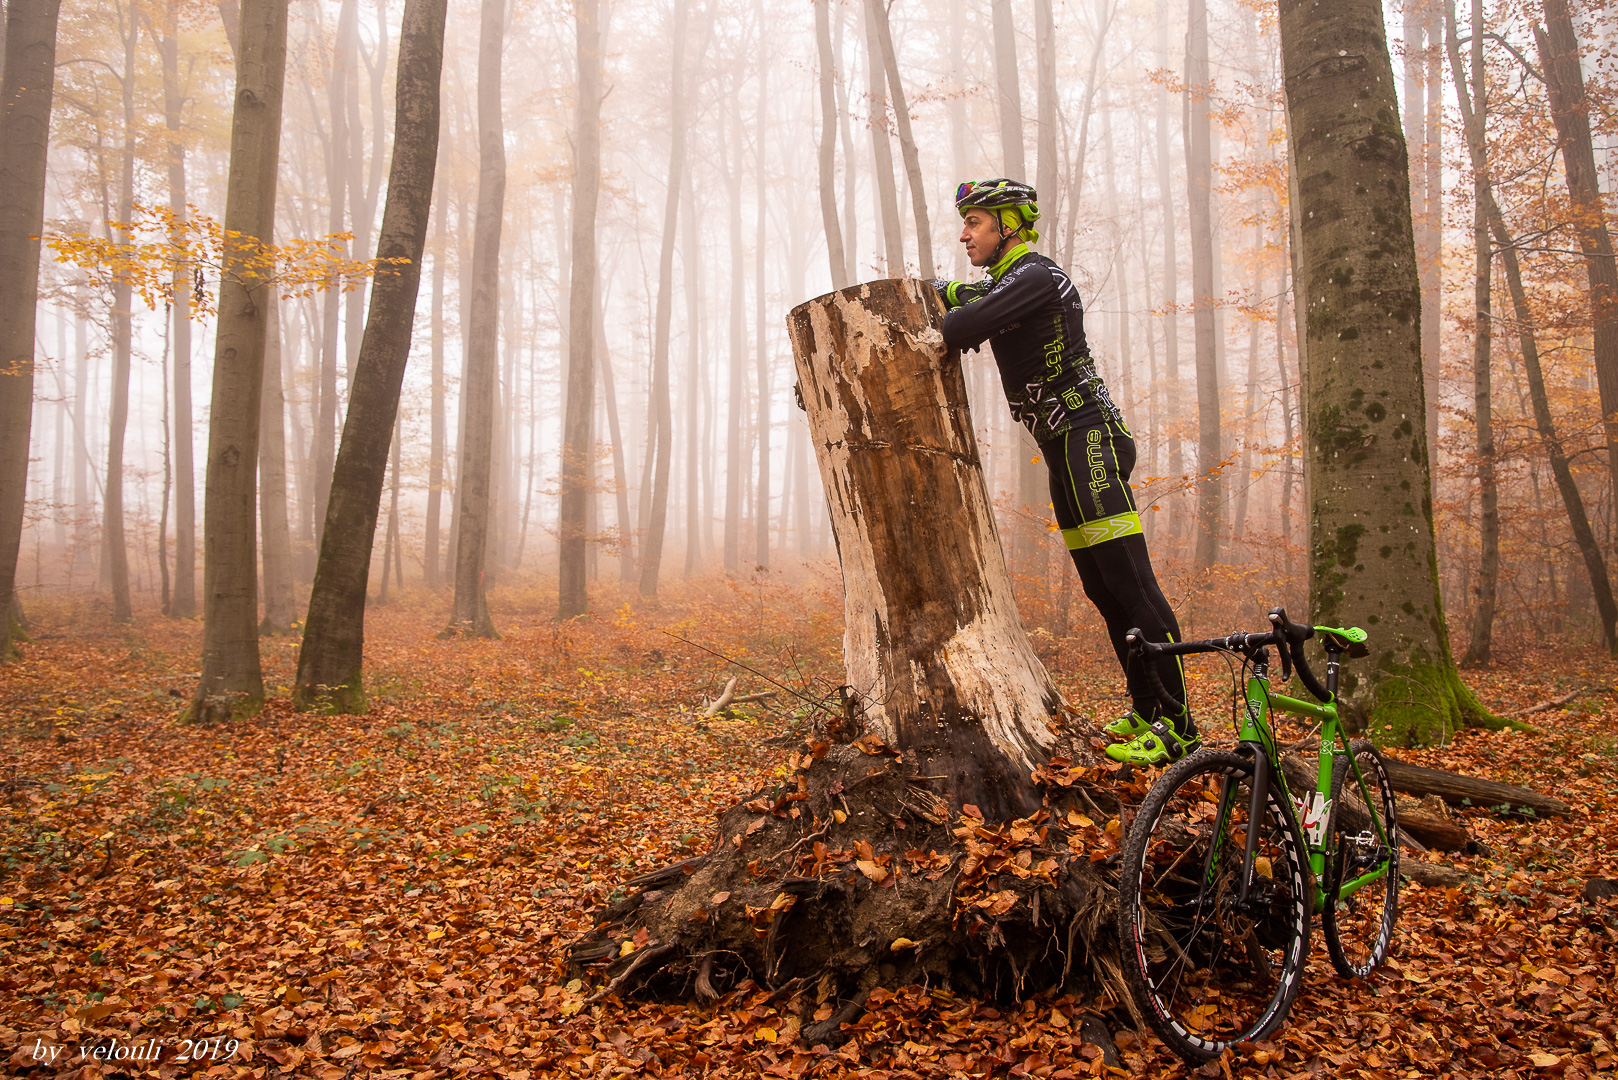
1029,311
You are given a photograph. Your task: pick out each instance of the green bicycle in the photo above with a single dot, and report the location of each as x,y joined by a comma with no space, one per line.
1225,866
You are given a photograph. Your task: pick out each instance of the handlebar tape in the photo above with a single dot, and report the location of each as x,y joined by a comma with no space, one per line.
1295,636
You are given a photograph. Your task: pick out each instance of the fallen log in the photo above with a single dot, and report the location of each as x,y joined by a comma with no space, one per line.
1430,874
1426,826
1459,790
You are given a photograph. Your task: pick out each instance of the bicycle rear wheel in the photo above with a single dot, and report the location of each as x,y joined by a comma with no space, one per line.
1207,966
1365,841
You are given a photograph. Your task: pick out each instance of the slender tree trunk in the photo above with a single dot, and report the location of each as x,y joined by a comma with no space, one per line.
907,141
330,663
183,602
1420,138
280,606
1199,183
435,452
850,209
620,473
761,504
1171,274
1476,109
231,675
1564,84
577,446
1373,558
693,383
25,120
660,419
735,469
470,615
1008,94
881,149
338,164
828,148
114,550
1473,106
1049,129
1287,430
1244,474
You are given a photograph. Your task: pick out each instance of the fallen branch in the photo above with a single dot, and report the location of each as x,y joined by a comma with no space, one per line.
725,697
1547,706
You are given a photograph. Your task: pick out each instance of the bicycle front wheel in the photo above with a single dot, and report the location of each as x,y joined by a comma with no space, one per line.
1363,863
1212,959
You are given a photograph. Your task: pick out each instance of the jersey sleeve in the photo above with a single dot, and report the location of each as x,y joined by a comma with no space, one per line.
986,308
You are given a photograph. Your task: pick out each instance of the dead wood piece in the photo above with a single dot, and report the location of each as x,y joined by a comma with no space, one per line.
1547,706
1458,789
1431,875
829,1032
1600,889
726,696
665,874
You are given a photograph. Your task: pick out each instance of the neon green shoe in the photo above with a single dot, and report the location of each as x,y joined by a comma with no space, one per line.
1158,745
1126,727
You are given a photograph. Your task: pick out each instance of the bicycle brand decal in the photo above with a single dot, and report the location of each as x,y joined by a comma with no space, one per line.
1312,817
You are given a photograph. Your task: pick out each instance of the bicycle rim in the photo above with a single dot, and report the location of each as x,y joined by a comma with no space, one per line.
1207,968
1365,840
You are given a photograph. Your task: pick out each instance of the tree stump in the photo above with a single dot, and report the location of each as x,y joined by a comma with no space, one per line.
938,663
949,824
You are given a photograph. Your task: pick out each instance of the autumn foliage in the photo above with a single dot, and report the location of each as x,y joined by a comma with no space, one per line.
393,894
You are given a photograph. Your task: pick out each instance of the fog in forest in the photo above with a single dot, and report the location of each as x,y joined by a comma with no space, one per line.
714,203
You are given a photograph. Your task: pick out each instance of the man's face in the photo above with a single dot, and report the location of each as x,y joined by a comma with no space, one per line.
980,232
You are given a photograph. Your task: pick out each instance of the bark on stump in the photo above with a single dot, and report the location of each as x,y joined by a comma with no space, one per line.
947,824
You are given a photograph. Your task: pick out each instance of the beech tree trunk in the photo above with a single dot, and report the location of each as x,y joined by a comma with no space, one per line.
828,148
1199,181
25,121
1570,108
431,565
231,675
470,614
660,418
1372,552
280,606
338,166
183,604
1474,116
907,141
893,250
852,873
114,549
330,663
578,446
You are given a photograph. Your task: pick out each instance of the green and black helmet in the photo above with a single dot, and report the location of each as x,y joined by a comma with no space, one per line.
1016,204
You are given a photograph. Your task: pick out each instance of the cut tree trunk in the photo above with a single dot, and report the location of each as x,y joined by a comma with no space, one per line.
941,826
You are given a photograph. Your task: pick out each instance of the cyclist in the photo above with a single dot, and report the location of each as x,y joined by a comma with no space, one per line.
1029,311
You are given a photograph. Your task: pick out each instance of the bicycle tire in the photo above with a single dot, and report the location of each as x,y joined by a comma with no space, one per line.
1206,972
1359,930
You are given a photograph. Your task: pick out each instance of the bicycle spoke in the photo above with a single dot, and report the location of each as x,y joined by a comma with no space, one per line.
1362,870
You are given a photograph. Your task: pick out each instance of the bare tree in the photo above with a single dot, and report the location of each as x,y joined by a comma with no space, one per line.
231,675
25,123
114,550
338,164
577,447
660,415
280,607
183,602
330,662
893,251
907,141
1564,85
435,448
828,149
1199,182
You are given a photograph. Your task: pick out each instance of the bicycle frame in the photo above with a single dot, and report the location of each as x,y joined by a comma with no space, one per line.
1257,737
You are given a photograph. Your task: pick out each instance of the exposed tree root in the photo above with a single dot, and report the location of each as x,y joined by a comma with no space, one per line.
861,871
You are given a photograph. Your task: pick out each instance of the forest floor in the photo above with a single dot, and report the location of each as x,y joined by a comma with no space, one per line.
390,895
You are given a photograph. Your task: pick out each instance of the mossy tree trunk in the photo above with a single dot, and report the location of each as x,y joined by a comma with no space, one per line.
1373,560
941,823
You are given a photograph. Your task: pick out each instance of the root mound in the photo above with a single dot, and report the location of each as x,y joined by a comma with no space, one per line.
859,871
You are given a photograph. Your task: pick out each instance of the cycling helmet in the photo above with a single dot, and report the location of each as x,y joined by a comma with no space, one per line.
1016,204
